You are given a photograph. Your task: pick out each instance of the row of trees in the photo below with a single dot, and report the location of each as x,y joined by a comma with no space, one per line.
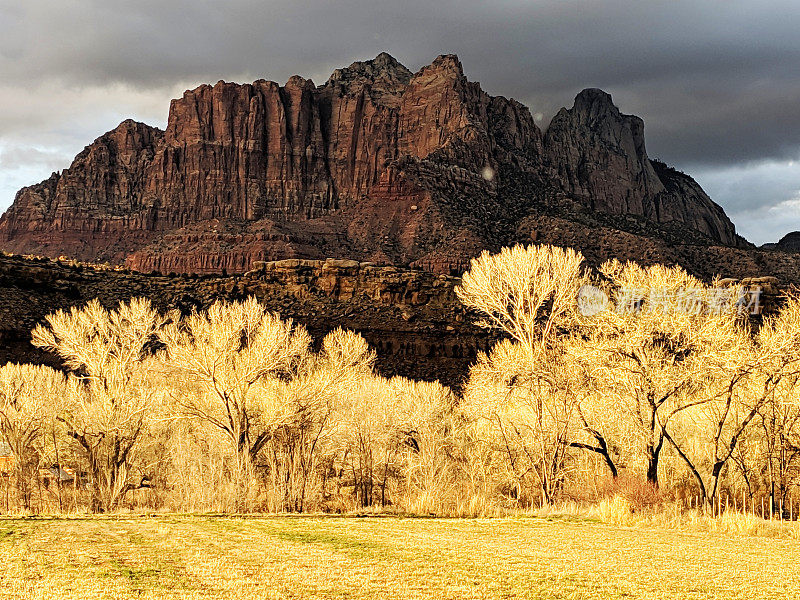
233,399
233,408
671,368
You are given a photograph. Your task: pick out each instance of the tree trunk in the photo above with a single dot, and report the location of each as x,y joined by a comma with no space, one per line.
653,453
242,487
23,474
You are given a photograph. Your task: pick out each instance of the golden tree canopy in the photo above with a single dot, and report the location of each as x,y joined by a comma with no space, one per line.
524,290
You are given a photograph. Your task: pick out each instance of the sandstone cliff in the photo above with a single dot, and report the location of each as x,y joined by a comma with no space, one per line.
412,318
378,164
93,208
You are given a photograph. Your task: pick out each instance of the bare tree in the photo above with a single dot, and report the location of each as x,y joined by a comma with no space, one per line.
650,357
778,374
257,376
314,397
29,396
753,379
429,435
524,407
777,441
367,419
515,392
393,434
526,292
109,413
228,350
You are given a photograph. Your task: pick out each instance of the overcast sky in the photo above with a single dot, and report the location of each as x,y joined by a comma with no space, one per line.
716,81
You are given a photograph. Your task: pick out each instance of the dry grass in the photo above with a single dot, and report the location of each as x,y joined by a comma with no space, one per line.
620,512
392,558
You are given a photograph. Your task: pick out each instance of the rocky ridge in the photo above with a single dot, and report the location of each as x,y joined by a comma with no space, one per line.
788,243
377,164
412,318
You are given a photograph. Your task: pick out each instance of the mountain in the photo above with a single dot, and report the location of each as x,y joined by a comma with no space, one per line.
377,164
788,243
599,157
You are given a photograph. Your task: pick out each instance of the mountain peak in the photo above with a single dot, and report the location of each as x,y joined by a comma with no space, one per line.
384,58
600,156
594,95
384,66
790,242
446,62
594,101
384,75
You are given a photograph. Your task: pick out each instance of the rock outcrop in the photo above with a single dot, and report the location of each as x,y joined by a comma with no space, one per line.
598,156
411,318
378,164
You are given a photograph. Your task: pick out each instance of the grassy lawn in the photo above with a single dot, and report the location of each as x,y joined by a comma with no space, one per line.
386,558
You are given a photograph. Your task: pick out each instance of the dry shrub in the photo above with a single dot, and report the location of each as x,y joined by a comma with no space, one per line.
641,495
618,511
749,524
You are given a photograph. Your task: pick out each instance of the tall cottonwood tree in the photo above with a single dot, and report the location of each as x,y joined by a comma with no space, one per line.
30,396
314,398
651,357
257,376
758,379
109,413
778,399
228,350
527,292
367,438
429,434
515,395
523,406
777,443
396,433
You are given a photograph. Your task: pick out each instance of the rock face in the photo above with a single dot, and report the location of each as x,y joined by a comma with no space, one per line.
411,318
95,207
599,157
378,164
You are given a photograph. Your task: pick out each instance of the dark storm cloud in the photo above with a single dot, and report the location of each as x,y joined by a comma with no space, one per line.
717,81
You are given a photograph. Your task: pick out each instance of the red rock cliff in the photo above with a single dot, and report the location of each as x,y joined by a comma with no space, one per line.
377,164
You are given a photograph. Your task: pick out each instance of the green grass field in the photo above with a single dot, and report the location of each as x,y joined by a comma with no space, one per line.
387,558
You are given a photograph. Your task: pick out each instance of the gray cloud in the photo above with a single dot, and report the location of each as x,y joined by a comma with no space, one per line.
715,80
29,157
762,198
